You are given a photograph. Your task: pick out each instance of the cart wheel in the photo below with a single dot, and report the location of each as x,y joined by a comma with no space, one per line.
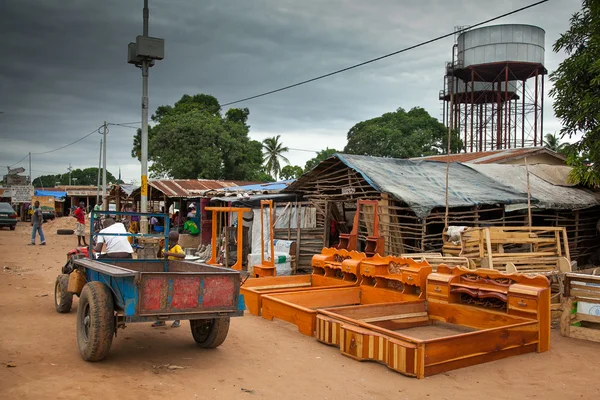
95,321
209,333
63,300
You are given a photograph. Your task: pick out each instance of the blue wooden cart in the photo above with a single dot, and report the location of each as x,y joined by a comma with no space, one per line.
114,292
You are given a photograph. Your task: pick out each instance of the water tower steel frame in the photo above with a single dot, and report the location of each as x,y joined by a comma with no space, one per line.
495,104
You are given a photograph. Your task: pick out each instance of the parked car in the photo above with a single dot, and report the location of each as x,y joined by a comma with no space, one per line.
8,216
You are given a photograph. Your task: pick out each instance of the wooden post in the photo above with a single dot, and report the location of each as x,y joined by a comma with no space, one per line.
298,235
528,194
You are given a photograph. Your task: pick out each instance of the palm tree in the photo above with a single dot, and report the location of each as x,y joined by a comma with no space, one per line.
273,151
552,142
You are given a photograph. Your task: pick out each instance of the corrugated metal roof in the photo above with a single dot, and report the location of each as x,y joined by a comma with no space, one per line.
261,187
494,156
549,196
422,184
191,187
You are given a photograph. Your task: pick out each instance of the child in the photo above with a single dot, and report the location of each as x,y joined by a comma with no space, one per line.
175,253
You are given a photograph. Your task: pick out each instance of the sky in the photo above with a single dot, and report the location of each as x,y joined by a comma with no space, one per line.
64,71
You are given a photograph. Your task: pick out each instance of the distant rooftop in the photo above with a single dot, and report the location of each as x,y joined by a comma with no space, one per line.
493,156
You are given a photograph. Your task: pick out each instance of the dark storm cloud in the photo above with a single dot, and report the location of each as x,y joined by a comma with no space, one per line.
63,69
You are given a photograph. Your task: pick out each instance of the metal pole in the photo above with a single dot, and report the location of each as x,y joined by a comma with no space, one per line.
523,117
472,100
144,155
450,127
30,181
542,114
104,205
535,110
506,111
99,165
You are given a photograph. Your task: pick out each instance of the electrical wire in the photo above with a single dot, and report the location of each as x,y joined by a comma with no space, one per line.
339,71
124,126
97,130
26,155
308,151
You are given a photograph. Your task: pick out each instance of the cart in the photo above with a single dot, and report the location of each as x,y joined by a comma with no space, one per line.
114,292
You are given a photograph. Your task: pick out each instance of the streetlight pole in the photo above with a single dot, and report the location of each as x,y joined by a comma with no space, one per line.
104,205
145,72
142,53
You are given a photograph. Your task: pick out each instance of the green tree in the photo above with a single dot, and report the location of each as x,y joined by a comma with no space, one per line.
321,156
193,140
576,91
291,172
79,177
401,134
273,150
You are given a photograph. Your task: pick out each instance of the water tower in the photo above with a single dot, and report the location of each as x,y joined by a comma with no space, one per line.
494,87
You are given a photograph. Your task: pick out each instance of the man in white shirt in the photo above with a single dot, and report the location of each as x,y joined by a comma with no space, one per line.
116,246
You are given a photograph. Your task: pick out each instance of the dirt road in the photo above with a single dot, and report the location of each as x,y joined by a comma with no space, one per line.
39,358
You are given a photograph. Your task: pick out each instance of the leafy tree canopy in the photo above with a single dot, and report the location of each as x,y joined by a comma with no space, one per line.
84,177
321,156
193,140
401,134
291,172
576,91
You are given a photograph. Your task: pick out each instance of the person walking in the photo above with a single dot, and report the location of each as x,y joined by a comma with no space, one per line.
36,222
79,215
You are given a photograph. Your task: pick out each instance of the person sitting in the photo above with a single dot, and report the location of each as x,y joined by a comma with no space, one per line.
191,228
116,246
175,253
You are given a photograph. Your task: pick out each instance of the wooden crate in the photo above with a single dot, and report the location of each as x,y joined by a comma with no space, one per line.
581,288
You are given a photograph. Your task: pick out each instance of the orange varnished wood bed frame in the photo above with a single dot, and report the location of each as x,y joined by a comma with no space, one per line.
332,268
383,280
505,314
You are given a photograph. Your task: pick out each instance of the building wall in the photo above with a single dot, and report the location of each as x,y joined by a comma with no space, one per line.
536,159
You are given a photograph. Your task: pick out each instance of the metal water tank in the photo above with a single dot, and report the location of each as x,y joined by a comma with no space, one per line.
500,44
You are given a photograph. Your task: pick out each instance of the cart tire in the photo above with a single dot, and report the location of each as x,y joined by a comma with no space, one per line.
12,227
63,300
210,333
65,231
95,321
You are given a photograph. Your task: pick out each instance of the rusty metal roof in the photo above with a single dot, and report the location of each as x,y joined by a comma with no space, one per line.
191,187
493,156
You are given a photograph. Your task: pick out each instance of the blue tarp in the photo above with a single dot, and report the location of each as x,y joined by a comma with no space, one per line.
55,194
271,186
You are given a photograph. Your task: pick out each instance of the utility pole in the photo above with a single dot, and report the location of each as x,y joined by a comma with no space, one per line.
30,181
142,54
70,168
145,72
104,205
99,164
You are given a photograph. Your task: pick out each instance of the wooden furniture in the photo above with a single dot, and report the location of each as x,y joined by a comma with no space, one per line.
375,244
530,250
469,317
437,259
388,283
581,307
340,270
240,251
266,266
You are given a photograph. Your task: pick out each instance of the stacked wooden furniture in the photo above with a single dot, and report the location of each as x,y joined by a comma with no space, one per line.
535,250
584,289
470,317
332,268
374,244
383,280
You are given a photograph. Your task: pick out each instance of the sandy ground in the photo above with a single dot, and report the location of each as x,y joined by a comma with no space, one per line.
39,358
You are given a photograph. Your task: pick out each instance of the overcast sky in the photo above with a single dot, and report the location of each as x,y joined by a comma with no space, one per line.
63,67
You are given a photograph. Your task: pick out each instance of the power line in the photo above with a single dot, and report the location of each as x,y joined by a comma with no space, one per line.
308,151
97,130
26,155
339,71
124,125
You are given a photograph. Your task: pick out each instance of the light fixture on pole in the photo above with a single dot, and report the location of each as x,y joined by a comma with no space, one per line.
142,53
